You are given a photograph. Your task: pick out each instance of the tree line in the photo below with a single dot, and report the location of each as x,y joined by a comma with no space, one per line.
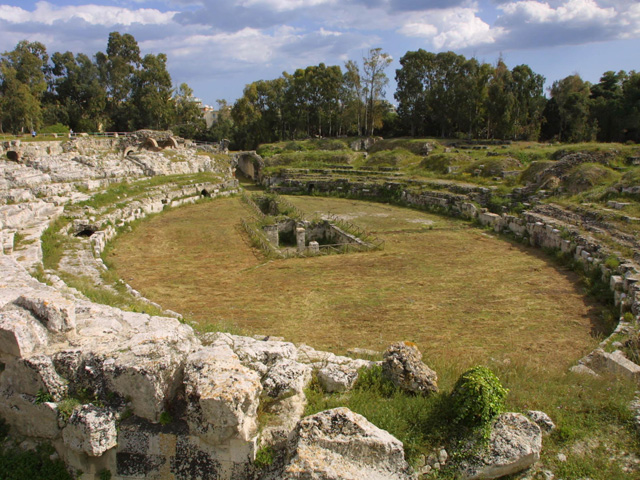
117,90
438,94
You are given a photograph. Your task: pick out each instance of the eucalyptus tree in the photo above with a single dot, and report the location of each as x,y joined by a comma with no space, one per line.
571,94
22,86
117,67
529,102
500,102
78,92
152,94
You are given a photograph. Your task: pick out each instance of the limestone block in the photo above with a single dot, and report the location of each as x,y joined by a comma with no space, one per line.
583,370
616,282
91,430
148,375
337,378
56,312
20,333
404,367
615,363
514,445
222,397
33,375
286,377
339,444
489,219
284,415
26,418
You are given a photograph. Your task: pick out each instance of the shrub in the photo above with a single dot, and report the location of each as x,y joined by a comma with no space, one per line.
373,380
477,398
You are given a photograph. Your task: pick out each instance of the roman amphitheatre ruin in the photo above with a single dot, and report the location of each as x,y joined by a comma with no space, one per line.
173,310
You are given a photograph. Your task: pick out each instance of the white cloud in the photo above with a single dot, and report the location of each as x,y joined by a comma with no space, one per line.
48,14
452,28
284,5
571,11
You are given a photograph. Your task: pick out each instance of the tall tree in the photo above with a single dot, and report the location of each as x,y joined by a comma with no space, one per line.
500,103
79,92
352,99
152,94
117,66
607,106
529,101
571,95
374,80
631,107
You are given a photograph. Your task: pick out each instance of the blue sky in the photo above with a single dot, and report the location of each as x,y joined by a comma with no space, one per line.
218,46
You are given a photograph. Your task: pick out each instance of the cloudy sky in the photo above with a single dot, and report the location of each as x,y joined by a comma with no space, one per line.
218,46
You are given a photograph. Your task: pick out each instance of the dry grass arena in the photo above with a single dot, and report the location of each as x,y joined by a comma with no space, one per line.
463,295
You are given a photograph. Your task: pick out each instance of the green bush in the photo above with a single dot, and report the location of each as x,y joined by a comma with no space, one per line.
373,380
477,398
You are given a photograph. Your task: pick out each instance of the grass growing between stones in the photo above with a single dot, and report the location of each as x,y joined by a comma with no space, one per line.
594,431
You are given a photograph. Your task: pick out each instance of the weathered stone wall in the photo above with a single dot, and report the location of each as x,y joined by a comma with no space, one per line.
140,396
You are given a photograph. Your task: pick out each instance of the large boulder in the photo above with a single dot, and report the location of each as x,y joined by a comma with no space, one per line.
514,445
91,430
403,366
222,396
341,445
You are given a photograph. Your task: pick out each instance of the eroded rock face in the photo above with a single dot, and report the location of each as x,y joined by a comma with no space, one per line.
403,366
20,333
285,378
341,445
56,312
91,430
514,445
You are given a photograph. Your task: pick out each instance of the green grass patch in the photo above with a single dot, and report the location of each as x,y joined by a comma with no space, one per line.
54,242
398,157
